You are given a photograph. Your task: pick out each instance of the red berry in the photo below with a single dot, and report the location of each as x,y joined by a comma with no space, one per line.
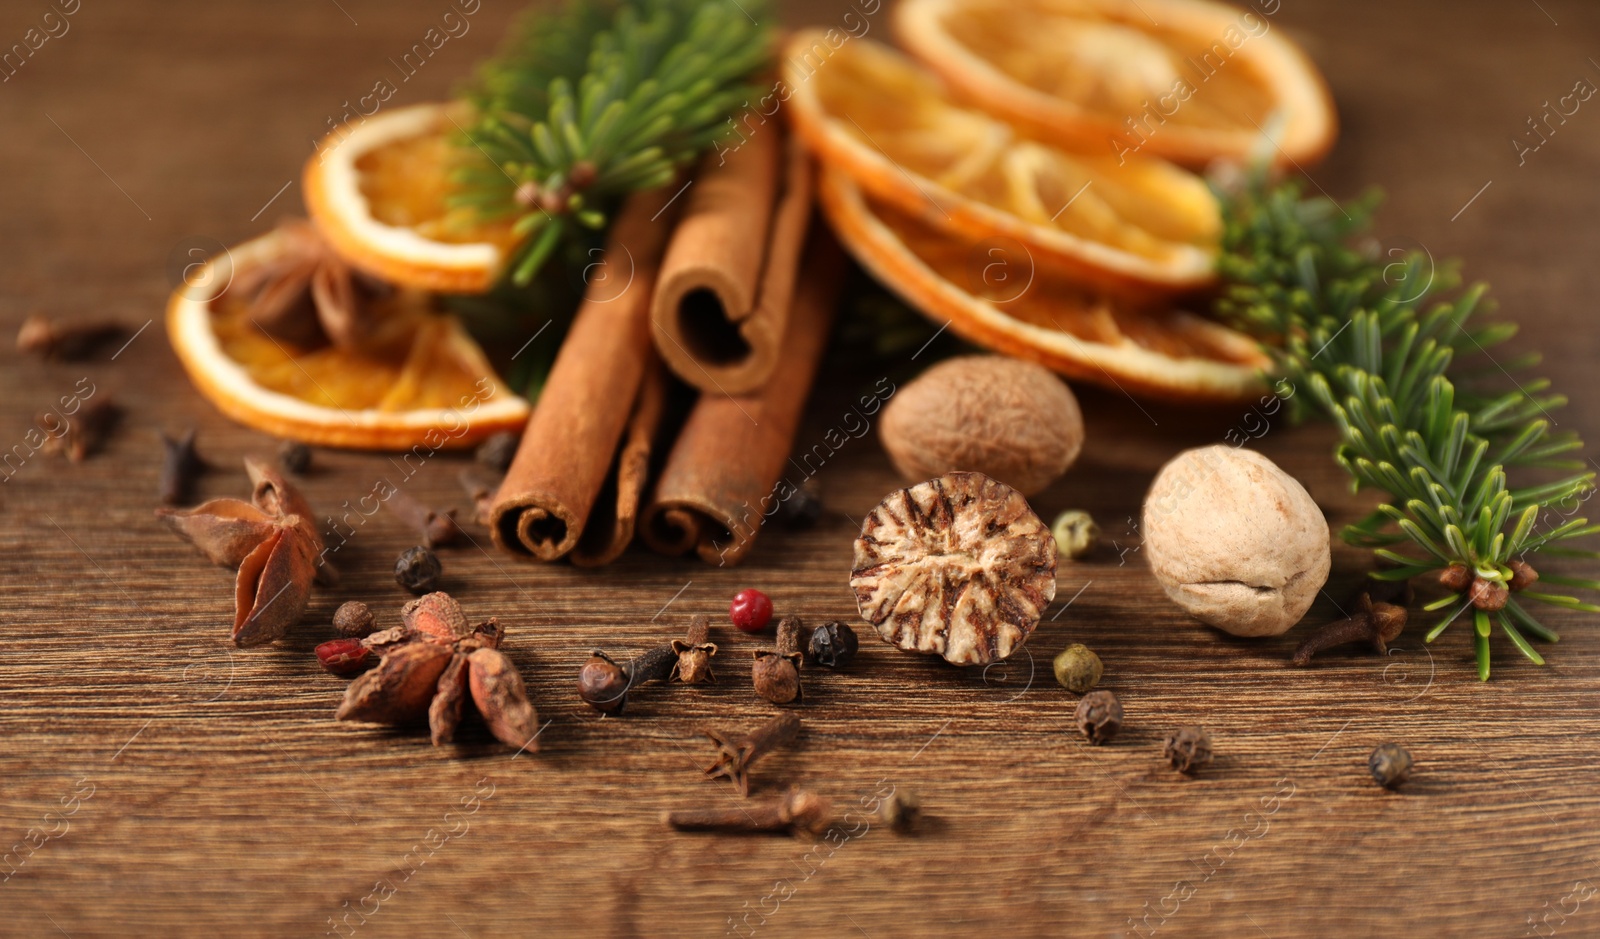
750,610
344,657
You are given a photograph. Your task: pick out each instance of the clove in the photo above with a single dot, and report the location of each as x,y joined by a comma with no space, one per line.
480,486
776,674
438,529
797,811
694,654
66,342
1375,622
735,755
604,685
88,433
180,466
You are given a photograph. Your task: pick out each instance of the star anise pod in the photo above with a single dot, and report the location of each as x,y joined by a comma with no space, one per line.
431,664
307,295
271,540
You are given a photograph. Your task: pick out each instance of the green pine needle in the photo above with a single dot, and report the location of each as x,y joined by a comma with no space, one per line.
1392,355
601,98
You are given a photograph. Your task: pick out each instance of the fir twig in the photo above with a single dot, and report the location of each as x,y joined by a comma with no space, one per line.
1393,356
599,99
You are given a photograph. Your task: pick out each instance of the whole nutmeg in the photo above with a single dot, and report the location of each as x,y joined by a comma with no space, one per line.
1010,420
1235,540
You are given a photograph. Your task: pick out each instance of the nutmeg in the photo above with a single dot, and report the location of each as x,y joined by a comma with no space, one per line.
1235,540
1011,420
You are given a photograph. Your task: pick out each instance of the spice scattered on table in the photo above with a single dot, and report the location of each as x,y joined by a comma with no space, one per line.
272,541
86,435
958,566
418,570
1078,669
802,509
431,665
736,754
1098,716
353,620
776,673
1188,749
695,652
901,811
294,457
181,465
438,529
345,657
1390,765
797,812
602,684
1374,623
1076,534
750,610
68,342
498,450
832,645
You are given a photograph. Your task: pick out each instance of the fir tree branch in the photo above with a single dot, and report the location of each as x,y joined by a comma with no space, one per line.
599,99
1393,356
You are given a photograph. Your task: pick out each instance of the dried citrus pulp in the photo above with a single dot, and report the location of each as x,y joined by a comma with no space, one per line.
1189,80
380,191
898,133
415,378
992,297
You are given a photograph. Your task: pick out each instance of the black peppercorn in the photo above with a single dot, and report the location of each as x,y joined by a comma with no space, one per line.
1099,716
497,452
1390,765
295,456
832,645
1188,749
800,510
418,570
353,620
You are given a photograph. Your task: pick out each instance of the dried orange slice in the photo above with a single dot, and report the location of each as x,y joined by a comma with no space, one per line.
992,295
380,192
893,127
1189,80
419,381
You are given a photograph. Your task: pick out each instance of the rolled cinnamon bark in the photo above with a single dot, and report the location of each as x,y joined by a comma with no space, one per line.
611,524
572,437
722,479
721,306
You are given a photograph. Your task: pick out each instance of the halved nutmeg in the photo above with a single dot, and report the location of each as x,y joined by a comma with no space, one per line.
958,566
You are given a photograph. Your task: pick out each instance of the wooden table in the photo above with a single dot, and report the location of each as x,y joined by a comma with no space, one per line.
212,793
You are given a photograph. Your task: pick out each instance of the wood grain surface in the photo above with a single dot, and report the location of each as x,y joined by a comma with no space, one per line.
212,793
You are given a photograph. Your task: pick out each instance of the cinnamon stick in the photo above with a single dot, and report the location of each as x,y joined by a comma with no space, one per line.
723,475
722,303
611,524
568,449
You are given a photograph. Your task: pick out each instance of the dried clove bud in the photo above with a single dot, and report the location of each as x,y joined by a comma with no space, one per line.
498,451
438,529
1374,622
602,684
776,674
480,486
1099,716
652,665
832,645
694,653
1188,749
86,435
736,754
1390,765
798,812
180,465
901,811
418,570
66,342
353,620
294,456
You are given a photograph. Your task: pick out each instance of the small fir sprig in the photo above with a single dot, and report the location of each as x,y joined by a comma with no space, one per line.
1393,355
599,99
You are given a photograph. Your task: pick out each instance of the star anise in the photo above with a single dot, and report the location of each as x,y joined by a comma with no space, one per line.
307,295
271,540
430,665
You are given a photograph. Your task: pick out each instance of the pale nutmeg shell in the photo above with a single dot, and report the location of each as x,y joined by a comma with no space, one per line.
1235,541
1013,421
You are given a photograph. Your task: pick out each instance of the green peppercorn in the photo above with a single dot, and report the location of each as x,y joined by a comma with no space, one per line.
1078,668
1076,533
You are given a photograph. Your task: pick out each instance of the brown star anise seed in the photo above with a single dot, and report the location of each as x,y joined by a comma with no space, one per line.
308,295
444,714
498,692
400,689
273,544
438,616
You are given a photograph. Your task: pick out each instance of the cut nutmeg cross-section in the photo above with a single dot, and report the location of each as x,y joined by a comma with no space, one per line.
958,566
